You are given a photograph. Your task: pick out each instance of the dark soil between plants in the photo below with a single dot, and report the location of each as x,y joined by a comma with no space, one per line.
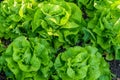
115,68
2,76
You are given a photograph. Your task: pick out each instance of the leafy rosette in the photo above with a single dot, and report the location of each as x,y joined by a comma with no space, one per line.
90,7
116,38
104,28
58,20
15,17
82,63
29,59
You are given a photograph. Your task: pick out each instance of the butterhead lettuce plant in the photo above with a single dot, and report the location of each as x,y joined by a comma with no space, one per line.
81,63
29,59
58,20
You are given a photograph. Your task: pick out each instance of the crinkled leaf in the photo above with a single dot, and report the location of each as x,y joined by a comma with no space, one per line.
70,72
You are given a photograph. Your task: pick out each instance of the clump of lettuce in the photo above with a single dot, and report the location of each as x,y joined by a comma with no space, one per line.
29,59
103,27
59,21
50,19
115,10
51,24
81,63
15,18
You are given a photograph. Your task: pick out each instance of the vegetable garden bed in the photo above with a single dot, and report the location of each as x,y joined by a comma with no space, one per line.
59,39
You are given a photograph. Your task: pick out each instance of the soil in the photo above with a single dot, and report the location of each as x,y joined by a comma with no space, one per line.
115,68
2,76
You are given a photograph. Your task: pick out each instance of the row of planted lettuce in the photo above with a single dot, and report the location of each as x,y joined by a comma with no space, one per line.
59,40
